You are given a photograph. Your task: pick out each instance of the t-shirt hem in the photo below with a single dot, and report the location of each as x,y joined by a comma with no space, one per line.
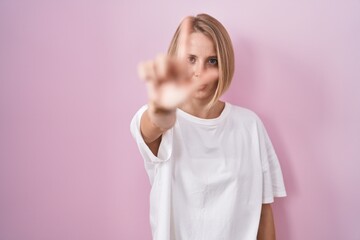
276,195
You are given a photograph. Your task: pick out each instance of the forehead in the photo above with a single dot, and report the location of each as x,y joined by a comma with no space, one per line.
199,43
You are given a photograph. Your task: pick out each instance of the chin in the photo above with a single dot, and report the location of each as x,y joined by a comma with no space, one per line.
203,95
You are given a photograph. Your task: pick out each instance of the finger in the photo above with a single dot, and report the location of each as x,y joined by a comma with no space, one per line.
181,71
146,70
143,70
184,36
186,28
161,67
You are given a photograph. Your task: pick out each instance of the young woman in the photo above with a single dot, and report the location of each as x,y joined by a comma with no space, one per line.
211,164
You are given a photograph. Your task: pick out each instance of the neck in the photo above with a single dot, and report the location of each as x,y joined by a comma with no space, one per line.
199,109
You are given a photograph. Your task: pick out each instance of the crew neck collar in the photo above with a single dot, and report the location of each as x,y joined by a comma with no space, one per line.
206,121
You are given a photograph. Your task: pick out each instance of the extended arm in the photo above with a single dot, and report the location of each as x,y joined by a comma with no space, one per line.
153,124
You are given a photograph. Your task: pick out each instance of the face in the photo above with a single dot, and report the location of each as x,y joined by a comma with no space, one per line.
202,59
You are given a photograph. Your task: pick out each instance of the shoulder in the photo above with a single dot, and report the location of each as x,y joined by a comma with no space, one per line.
245,118
243,113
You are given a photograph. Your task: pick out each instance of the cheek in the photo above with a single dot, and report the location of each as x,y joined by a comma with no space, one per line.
212,75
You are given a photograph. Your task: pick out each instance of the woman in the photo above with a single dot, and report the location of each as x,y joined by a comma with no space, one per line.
211,164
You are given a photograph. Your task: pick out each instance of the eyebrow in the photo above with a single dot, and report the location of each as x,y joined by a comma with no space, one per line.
193,55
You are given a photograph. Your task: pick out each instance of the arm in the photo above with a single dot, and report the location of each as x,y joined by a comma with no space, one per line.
154,122
266,227
168,87
165,92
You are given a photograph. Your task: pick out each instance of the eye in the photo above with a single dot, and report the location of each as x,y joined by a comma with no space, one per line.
191,59
213,61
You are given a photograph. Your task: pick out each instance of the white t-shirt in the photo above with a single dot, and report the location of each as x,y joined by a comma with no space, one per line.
211,176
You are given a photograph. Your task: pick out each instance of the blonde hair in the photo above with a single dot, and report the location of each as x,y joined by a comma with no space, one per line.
212,28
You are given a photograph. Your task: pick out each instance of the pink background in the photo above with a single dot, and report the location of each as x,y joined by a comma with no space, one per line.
69,168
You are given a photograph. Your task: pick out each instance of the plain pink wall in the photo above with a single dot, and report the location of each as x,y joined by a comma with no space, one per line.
69,168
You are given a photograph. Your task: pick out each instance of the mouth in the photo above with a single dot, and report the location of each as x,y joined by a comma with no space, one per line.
202,87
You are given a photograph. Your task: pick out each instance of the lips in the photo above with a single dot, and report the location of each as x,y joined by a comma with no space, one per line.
202,87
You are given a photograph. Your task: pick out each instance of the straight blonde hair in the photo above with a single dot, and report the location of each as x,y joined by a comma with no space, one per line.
212,28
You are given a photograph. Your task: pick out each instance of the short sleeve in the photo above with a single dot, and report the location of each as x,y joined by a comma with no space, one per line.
151,161
273,182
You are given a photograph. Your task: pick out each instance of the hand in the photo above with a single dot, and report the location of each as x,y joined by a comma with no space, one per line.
169,82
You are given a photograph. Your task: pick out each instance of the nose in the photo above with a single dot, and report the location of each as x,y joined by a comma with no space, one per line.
198,69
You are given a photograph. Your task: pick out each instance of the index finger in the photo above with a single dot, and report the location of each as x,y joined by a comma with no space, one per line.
184,36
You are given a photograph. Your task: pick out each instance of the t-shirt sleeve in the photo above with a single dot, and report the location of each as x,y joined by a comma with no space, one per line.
151,161
273,182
